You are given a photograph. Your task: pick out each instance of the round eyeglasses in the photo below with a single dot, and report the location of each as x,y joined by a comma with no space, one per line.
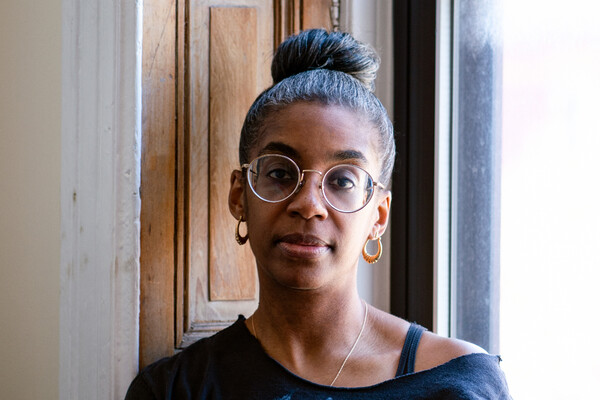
346,188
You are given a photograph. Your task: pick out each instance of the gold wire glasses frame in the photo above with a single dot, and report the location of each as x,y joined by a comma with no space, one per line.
283,178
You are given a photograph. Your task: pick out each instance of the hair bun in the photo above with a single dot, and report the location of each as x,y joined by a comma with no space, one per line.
318,49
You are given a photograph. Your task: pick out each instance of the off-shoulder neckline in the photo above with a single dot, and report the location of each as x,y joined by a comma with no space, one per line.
408,376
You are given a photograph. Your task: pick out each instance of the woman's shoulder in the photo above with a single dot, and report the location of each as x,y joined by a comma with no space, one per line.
433,350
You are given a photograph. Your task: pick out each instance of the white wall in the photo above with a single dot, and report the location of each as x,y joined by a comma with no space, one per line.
30,159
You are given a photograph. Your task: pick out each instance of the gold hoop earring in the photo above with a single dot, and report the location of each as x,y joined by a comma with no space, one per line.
238,238
372,259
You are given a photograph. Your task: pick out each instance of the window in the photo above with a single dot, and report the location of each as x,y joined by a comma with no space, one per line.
550,215
518,137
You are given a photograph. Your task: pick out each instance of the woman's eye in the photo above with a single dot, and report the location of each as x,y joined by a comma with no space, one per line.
279,174
340,182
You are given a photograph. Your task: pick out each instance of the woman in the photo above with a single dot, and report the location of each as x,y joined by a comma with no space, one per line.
316,155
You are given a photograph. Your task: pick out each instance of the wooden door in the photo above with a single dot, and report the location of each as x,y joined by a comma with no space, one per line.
204,63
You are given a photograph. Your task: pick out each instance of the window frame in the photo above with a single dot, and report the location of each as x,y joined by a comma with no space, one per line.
413,181
445,223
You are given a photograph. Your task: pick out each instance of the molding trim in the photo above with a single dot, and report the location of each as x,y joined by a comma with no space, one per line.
100,202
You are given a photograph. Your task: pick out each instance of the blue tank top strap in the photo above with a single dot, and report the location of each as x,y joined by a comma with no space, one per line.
409,350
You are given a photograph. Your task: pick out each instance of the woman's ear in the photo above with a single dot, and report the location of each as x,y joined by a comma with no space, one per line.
382,214
237,205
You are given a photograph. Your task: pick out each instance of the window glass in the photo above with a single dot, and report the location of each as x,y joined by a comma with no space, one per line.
550,199
475,168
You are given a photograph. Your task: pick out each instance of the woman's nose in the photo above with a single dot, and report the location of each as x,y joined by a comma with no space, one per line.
308,201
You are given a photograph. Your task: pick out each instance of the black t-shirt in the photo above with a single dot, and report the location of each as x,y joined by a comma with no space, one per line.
233,365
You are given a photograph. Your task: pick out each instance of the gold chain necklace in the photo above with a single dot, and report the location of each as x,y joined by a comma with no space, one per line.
362,328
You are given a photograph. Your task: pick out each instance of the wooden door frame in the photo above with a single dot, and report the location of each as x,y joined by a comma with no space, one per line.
166,252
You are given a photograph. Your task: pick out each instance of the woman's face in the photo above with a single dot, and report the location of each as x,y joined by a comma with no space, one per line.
302,242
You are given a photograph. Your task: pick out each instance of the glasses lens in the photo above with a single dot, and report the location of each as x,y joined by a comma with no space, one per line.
347,188
273,177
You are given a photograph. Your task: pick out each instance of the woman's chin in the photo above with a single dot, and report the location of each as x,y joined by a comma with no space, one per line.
302,283
301,278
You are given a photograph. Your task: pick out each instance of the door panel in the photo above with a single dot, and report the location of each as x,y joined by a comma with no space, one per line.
225,77
231,273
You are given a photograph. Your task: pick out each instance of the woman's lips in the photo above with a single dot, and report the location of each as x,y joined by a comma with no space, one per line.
299,245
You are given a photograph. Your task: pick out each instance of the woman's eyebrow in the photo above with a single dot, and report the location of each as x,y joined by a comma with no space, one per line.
345,155
282,148
279,147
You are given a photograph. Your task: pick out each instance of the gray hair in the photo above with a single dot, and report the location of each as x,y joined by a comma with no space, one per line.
330,69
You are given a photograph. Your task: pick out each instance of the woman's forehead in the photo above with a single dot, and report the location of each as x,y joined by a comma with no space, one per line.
329,132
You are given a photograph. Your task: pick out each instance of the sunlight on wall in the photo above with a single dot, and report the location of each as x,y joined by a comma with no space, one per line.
550,244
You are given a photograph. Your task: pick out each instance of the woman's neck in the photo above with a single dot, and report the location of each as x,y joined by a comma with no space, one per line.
321,309
309,332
